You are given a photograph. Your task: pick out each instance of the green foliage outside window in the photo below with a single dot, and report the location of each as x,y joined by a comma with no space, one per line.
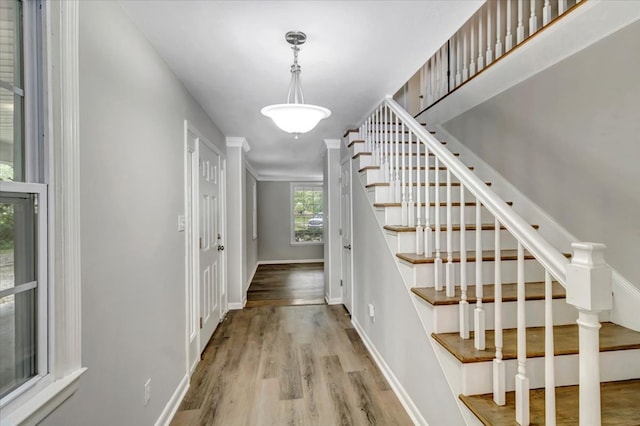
308,221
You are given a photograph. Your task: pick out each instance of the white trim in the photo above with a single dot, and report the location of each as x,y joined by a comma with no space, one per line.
283,262
334,301
253,274
397,388
332,143
283,178
292,232
626,300
44,402
238,142
235,306
250,169
174,402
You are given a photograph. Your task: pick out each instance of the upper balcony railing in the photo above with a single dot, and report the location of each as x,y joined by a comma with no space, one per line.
498,27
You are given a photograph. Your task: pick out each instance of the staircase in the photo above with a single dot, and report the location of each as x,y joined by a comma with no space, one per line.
516,324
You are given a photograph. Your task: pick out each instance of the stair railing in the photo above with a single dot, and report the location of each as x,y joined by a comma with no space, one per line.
484,39
587,278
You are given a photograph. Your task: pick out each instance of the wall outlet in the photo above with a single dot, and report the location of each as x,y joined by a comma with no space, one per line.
147,392
372,312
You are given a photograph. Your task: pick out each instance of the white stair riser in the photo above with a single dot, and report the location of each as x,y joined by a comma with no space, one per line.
375,176
446,317
382,194
405,242
423,275
614,365
393,215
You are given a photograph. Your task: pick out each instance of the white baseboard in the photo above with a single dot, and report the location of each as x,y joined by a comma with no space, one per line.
280,262
398,390
334,301
174,402
237,306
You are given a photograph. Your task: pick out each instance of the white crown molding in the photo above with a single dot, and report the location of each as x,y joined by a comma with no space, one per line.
332,143
238,142
250,168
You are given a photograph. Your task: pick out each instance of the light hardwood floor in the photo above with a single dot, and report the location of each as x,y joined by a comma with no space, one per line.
288,365
287,284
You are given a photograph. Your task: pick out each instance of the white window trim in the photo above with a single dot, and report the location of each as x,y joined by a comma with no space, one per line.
61,101
292,188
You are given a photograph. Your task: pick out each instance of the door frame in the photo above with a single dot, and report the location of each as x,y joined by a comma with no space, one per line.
351,306
193,264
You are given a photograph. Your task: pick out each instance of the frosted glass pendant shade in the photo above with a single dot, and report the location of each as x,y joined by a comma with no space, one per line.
296,118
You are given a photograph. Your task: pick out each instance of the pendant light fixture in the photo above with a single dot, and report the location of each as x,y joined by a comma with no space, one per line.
295,116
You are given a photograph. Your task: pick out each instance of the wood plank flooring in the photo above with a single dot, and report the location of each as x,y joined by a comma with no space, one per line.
288,365
289,284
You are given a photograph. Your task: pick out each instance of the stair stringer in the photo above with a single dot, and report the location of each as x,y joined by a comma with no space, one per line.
409,359
626,296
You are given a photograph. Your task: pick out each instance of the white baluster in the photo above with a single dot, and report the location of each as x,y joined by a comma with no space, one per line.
376,141
436,88
508,38
465,70
398,198
412,210
498,29
480,44
489,53
499,381
404,209
418,208
589,290
533,19
428,231
549,373
546,13
449,272
479,313
464,304
392,156
443,70
438,257
472,50
562,6
387,146
522,381
458,79
432,86
520,29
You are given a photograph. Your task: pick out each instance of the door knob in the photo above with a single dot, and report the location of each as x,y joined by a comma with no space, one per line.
348,247
220,248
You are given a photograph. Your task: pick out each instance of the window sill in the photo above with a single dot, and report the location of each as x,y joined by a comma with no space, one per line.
32,410
310,243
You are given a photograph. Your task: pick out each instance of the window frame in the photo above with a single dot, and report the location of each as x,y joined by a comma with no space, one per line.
292,231
55,165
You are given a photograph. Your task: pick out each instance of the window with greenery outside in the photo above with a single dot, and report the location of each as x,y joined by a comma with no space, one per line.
308,220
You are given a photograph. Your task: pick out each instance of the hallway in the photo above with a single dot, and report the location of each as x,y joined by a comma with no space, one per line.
288,365
287,284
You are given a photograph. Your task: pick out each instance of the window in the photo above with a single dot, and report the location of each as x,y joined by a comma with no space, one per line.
306,213
38,140
23,205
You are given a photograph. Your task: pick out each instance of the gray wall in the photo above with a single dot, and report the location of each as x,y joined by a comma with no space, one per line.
274,221
568,138
132,111
251,245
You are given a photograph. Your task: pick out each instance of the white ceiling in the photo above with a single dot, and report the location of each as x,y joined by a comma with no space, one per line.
232,56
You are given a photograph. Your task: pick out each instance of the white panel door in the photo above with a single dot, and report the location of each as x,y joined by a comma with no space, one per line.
209,212
345,225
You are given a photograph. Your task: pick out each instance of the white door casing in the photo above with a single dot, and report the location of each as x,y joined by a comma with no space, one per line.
345,227
210,241
191,237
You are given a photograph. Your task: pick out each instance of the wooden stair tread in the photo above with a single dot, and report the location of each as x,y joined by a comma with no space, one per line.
487,256
364,169
367,153
468,227
565,337
619,405
533,291
393,142
442,204
373,185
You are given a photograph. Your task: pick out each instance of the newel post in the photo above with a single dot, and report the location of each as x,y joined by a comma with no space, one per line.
589,290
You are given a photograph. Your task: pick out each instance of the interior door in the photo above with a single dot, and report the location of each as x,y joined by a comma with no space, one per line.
345,216
193,309
209,237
